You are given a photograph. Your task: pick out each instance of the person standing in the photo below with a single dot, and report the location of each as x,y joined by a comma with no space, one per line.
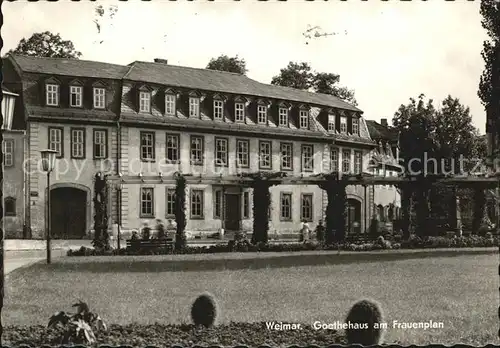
320,232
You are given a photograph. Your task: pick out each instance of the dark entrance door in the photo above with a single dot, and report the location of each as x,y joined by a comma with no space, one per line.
68,207
232,212
353,216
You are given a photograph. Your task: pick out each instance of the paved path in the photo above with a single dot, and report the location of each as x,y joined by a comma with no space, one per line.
17,259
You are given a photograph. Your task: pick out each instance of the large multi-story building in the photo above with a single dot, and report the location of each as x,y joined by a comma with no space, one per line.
153,119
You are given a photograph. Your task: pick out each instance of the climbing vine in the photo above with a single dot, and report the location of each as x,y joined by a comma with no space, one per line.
101,236
336,208
180,211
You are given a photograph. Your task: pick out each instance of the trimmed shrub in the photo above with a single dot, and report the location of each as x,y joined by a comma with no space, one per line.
361,319
204,310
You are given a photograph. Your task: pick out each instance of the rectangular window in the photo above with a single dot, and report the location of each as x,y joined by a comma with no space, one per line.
306,207
346,161
286,206
304,119
75,96
307,158
218,204
261,114
242,153
283,117
172,150
99,98
147,202
144,101
170,202
197,204
77,143
147,146
358,162
331,123
170,104
286,150
100,144
221,152
265,154
239,112
194,107
355,126
246,205
197,150
8,152
343,124
56,141
52,94
218,110
334,161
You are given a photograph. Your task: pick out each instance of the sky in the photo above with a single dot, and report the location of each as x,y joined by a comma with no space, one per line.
387,52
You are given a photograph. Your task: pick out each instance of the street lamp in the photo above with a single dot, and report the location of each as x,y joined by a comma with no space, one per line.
119,187
48,164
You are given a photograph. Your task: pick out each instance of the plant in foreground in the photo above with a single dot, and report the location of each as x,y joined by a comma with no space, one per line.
362,319
204,310
79,327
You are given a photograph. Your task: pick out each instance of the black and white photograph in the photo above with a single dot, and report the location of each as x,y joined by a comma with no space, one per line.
248,173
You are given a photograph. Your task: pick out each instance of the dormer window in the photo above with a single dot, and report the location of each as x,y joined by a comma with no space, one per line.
144,101
52,94
194,107
343,124
218,110
355,126
304,119
283,117
99,98
261,114
170,104
75,96
239,112
331,123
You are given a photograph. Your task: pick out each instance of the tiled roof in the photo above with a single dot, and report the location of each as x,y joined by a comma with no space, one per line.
224,82
380,132
70,67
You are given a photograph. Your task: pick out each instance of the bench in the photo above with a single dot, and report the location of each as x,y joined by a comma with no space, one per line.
150,244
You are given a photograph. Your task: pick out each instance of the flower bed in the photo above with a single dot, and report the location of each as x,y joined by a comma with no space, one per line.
249,334
244,246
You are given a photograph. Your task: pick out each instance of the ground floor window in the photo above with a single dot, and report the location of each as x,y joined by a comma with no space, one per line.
306,207
147,202
286,206
170,202
246,205
197,204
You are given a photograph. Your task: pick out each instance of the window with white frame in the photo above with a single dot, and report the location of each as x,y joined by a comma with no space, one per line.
306,207
8,152
170,202
355,126
194,107
172,150
218,203
239,112
147,146
242,153
286,156
218,110
197,204
331,123
56,141
346,161
283,117
304,119
144,101
52,94
246,205
75,96
358,162
147,202
286,206
170,104
78,143
343,124
197,150
307,158
265,154
261,114
221,154
100,144
99,98
334,160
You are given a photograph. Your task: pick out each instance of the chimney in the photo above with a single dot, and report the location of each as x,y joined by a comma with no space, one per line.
160,60
383,122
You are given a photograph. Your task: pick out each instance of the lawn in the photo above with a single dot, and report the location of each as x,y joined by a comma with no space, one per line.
459,291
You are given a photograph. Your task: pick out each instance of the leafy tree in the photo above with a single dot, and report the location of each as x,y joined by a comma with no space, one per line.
326,83
48,45
229,64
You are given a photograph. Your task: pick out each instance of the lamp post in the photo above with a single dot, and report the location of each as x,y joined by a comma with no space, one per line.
119,188
48,164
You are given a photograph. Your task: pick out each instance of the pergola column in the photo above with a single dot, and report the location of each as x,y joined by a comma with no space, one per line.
456,220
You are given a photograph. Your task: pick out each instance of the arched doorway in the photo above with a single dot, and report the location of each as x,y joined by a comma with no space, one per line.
353,216
68,207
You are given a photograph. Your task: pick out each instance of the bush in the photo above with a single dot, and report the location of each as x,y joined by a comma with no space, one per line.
361,319
204,310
